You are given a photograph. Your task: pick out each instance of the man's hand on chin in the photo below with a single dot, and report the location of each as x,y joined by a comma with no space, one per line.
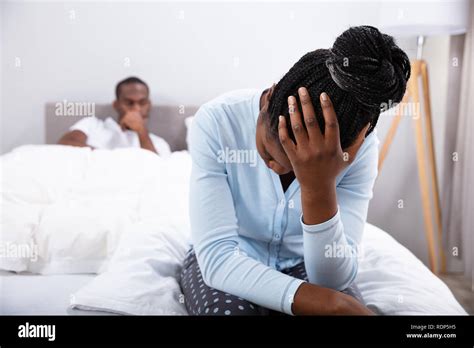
133,121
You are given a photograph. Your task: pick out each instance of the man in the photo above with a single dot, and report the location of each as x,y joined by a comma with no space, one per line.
133,107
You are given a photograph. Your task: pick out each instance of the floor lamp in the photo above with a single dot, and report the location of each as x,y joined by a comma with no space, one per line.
425,154
420,19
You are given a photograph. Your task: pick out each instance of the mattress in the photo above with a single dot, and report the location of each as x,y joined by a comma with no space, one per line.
33,294
392,281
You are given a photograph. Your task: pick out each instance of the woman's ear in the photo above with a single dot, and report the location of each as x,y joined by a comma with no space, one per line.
270,93
268,96
366,129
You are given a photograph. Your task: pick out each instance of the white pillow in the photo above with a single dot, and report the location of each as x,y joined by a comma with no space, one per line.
142,277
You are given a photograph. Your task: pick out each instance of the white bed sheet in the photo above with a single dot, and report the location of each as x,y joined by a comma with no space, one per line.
33,294
391,279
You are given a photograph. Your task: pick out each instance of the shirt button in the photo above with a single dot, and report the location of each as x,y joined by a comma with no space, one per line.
277,236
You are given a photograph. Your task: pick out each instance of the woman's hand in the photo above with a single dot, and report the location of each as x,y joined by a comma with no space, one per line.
311,299
317,159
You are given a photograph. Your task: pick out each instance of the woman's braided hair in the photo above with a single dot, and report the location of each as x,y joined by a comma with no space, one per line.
362,73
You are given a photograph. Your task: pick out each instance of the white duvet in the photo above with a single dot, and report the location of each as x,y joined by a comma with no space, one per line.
53,199
71,205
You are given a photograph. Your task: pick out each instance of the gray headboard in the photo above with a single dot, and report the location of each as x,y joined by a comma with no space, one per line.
165,121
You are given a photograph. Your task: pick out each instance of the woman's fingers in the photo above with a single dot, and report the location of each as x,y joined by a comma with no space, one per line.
309,115
300,133
331,130
285,139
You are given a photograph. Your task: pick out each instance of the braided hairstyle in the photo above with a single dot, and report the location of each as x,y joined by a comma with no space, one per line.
362,73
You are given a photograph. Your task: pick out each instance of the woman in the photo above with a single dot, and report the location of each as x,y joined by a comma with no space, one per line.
268,234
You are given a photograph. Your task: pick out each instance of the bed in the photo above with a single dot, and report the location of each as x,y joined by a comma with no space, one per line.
82,260
35,294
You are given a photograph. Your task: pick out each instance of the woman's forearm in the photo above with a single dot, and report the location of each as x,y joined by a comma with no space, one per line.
319,204
324,238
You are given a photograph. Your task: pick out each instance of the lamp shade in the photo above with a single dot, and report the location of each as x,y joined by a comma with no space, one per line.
424,18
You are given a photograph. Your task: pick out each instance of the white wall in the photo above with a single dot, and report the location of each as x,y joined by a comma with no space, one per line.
189,53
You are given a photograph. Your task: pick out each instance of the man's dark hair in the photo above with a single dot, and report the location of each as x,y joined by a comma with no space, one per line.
362,73
126,81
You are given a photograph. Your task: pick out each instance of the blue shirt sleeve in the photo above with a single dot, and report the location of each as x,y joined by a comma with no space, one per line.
224,266
331,249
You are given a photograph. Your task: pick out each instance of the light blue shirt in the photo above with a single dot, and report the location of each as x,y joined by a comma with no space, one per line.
246,229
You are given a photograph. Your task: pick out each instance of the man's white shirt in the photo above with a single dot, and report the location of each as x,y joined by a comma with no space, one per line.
107,134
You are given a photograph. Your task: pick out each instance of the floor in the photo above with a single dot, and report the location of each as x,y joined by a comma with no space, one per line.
462,290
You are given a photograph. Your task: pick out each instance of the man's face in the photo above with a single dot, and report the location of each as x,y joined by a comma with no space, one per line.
133,97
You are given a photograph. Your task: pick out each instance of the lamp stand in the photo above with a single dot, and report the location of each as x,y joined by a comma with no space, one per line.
425,154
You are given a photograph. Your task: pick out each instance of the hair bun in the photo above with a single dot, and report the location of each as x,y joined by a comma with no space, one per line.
370,66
